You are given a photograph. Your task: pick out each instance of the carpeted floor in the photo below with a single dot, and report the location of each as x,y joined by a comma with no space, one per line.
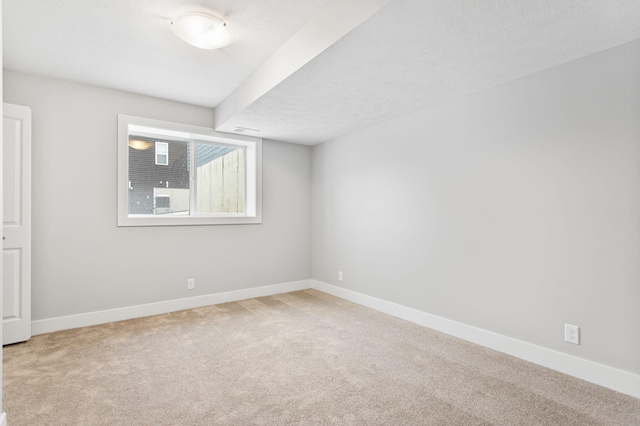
303,358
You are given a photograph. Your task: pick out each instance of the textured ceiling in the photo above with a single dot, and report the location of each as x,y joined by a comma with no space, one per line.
415,53
128,44
409,55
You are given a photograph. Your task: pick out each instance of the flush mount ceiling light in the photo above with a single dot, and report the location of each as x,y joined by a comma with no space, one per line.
202,30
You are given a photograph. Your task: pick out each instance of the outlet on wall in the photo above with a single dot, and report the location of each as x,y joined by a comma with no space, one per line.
191,283
572,334
340,276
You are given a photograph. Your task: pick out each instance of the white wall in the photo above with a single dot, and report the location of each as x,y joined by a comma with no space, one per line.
515,210
2,414
82,262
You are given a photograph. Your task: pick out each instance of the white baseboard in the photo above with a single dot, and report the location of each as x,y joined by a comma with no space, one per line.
3,419
138,311
612,378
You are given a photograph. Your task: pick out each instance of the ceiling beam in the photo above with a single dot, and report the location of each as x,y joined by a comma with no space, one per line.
332,23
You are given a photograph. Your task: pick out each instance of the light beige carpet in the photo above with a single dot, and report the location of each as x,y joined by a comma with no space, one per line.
302,358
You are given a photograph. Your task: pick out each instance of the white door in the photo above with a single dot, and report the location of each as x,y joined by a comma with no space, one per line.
16,253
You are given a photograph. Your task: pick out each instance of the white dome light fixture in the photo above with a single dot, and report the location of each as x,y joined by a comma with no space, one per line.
202,30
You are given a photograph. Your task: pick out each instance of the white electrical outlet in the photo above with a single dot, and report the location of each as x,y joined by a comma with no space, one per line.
572,334
340,276
191,283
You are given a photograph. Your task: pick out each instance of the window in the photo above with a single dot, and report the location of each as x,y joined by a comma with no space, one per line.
176,174
162,153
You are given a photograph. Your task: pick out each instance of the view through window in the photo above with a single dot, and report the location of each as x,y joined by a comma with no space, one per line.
171,173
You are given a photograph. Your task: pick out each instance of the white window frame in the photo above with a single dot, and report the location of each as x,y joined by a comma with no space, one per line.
165,146
251,145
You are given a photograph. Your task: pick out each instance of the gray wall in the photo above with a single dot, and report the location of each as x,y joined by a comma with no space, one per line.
82,262
1,208
514,210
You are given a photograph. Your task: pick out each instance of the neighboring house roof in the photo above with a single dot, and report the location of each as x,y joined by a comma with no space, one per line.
208,153
204,153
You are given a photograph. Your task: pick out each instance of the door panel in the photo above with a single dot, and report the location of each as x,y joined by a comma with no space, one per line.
16,173
12,296
11,172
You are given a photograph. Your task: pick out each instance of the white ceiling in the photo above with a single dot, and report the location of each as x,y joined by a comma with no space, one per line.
129,45
408,56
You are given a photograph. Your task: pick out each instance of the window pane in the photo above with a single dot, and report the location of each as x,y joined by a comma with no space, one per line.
229,169
162,148
220,178
161,159
162,153
159,189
